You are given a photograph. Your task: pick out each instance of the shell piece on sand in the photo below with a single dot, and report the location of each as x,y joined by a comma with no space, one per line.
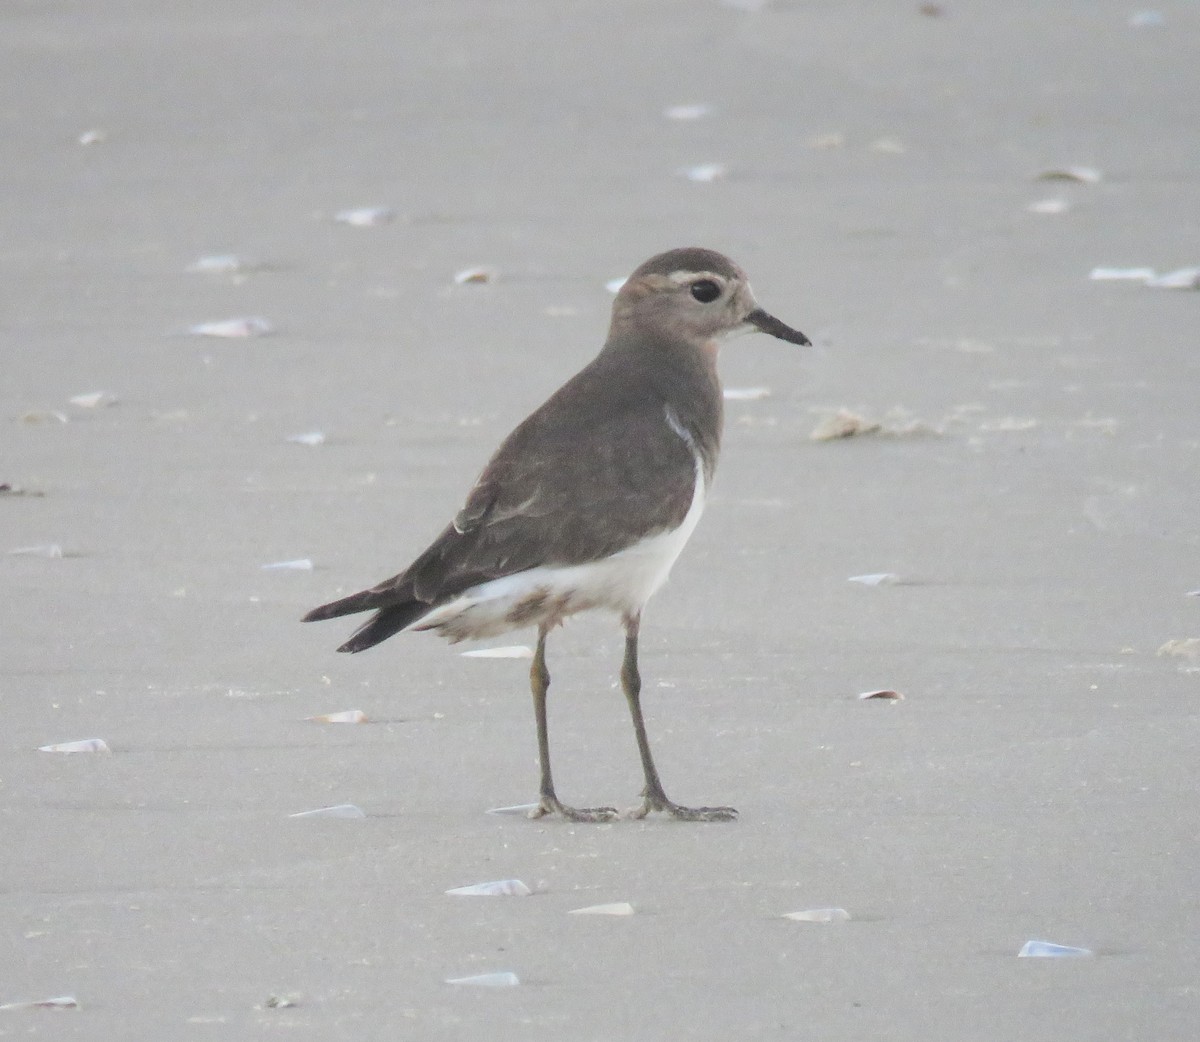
614,285
523,809
1049,950
301,564
506,979
509,651
1181,278
844,424
365,216
94,399
341,810
310,438
49,550
704,173
218,264
1147,20
1049,206
477,274
61,1002
92,137
875,579
883,694
686,112
618,908
346,716
819,915
84,745
233,328
746,394
1183,647
1009,424
1083,175
1121,274
497,888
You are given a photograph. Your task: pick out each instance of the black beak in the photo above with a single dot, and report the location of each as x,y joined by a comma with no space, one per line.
770,324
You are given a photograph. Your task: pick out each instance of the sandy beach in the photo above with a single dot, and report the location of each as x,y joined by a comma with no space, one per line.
1026,474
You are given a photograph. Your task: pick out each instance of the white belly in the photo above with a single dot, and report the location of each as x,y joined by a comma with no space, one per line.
622,583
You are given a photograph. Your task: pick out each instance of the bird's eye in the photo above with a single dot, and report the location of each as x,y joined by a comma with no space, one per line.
705,291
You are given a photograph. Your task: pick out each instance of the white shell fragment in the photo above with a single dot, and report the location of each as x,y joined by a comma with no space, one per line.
1121,274
219,264
301,564
509,651
94,400
310,438
524,809
61,1002
365,216
506,979
45,416
475,275
497,888
1009,424
819,915
1049,206
1147,20
1048,950
48,550
1181,278
346,716
233,328
883,694
341,810
704,173
875,579
1183,647
84,745
617,908
844,424
1084,175
746,394
92,137
614,285
686,112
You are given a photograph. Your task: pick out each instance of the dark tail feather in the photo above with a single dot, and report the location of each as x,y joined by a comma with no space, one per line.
382,625
356,602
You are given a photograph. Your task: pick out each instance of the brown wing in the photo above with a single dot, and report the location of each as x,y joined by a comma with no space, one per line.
569,485
595,469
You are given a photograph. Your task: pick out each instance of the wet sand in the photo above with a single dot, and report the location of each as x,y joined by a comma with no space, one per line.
1037,781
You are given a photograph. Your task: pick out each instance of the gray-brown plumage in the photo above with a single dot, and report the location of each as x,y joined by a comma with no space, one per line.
587,503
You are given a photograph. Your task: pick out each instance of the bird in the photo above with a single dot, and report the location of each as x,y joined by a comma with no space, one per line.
588,502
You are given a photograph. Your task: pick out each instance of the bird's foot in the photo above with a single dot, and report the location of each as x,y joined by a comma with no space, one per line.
660,802
552,805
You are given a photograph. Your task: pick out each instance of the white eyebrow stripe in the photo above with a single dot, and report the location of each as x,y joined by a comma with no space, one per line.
682,278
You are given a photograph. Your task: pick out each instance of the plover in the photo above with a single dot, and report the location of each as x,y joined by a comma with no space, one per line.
588,502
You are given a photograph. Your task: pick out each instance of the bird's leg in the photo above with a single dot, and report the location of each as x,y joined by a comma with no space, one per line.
548,802
653,796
